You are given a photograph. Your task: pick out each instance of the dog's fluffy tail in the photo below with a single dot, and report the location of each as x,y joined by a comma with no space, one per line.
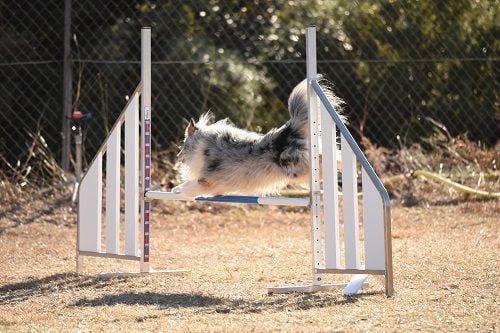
297,102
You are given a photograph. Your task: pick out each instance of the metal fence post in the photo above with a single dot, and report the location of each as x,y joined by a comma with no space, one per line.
67,89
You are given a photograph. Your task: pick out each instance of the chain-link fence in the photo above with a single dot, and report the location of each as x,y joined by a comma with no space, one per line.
405,69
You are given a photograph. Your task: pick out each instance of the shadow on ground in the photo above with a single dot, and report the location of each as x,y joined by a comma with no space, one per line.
210,304
21,291
173,300
59,283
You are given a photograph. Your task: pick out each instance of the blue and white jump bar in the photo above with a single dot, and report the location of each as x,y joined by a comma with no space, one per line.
242,199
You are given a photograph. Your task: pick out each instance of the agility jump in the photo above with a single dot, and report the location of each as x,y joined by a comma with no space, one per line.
331,253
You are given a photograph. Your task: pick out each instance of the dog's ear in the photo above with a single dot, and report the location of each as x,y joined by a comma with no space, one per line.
191,128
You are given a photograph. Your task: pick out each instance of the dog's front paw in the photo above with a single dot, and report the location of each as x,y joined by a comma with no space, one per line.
188,189
180,191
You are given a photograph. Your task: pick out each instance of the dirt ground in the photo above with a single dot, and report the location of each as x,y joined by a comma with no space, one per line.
446,266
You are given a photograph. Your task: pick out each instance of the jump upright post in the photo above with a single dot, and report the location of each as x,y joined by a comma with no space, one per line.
137,162
364,249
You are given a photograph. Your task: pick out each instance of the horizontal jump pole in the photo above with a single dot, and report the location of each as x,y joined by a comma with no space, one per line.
277,201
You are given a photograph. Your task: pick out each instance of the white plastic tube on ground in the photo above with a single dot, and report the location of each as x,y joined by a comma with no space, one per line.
355,284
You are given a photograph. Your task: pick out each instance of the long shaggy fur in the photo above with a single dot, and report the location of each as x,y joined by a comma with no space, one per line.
219,158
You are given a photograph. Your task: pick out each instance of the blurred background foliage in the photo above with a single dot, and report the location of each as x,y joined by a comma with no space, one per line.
403,67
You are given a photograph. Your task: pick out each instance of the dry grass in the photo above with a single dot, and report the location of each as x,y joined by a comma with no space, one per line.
445,247
457,159
445,258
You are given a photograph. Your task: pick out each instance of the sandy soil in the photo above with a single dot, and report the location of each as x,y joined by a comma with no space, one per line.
446,262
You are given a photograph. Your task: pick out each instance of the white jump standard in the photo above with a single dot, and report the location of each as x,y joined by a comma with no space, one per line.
365,248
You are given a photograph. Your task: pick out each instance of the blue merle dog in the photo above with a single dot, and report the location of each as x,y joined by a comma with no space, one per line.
219,158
